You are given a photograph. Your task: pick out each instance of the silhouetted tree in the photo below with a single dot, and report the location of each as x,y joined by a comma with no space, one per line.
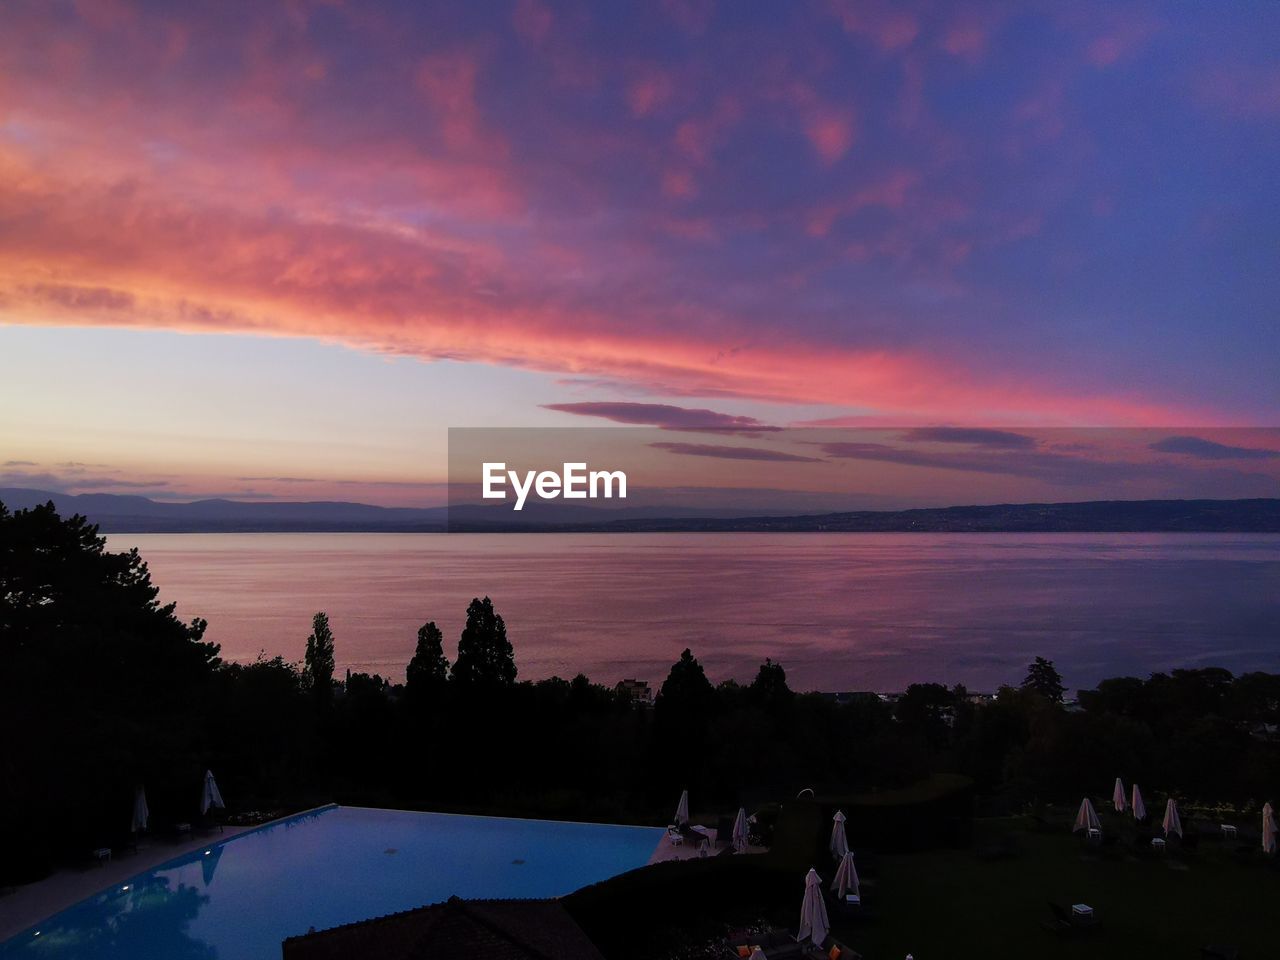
429,668
770,684
927,709
686,686
317,665
99,683
485,656
1045,680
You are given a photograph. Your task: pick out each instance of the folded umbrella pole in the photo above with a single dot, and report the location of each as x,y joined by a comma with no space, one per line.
210,796
814,924
839,844
1118,798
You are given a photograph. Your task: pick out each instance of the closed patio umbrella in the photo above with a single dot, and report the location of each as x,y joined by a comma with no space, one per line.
1268,829
210,796
1117,797
140,812
740,835
682,809
1087,818
1137,806
814,924
839,845
1172,822
846,881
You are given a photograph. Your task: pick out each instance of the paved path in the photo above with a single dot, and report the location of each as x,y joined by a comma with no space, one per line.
25,906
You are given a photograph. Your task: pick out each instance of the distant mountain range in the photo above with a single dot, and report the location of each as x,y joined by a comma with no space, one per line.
131,514
117,513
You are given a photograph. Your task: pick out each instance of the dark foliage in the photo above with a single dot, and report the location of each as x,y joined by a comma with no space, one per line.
485,656
428,671
317,662
103,688
1044,679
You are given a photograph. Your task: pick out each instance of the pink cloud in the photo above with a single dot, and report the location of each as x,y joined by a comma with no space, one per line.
890,193
1242,91
679,184
150,190
890,27
1123,37
699,137
966,40
532,20
448,83
648,92
691,16
831,134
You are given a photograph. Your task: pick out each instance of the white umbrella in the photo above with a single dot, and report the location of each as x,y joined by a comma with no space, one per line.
1137,806
1172,822
846,880
814,924
140,812
757,954
682,809
1117,797
839,845
740,837
1087,818
210,796
1268,829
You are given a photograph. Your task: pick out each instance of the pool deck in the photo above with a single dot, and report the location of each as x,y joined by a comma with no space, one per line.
25,906
666,850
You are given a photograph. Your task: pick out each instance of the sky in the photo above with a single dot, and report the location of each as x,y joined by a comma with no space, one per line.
277,250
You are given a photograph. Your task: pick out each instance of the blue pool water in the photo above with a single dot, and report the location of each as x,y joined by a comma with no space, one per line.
236,900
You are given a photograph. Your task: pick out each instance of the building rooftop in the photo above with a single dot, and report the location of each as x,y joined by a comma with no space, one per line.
454,930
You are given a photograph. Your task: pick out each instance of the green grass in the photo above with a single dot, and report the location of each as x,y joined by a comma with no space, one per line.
954,904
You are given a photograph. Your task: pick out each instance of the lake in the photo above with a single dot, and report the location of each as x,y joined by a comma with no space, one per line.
840,611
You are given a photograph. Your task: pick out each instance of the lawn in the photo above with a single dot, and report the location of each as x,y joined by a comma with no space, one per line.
953,904
958,903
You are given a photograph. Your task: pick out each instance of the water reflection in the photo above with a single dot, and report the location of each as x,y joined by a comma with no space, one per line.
209,863
149,919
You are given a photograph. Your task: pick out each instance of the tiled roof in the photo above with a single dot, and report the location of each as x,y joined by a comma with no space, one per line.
454,930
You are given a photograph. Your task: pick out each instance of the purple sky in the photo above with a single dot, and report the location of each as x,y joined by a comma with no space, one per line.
303,239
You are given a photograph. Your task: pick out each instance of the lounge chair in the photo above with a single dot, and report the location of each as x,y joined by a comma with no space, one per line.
674,835
694,835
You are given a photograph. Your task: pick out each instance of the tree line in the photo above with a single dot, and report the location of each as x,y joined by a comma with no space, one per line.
104,688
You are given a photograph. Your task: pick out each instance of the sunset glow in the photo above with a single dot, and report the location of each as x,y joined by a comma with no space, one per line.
821,212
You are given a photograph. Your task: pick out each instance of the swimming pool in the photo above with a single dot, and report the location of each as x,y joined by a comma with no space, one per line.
236,900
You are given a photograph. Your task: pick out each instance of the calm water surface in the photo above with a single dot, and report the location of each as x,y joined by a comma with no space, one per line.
841,611
237,900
